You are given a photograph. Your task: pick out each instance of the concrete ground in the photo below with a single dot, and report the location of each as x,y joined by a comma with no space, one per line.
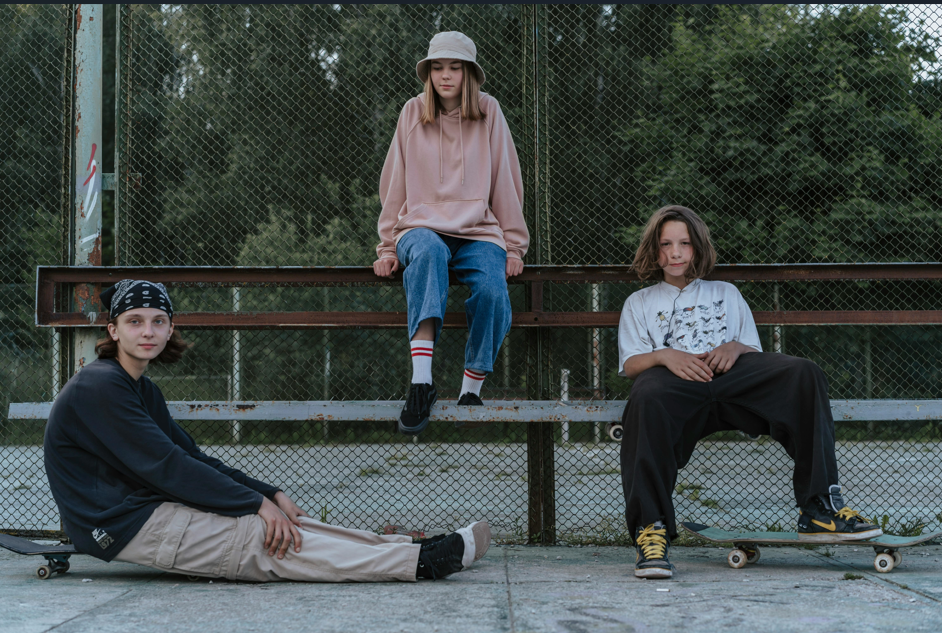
514,588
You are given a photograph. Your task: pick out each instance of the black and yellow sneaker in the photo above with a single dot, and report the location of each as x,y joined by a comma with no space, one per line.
821,520
653,545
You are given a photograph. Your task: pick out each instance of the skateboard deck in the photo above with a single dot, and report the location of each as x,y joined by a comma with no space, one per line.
57,556
747,544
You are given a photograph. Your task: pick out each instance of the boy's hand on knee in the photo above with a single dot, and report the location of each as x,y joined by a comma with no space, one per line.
721,359
687,366
385,267
290,508
279,532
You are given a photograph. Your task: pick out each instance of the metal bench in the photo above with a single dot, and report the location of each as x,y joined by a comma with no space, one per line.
67,298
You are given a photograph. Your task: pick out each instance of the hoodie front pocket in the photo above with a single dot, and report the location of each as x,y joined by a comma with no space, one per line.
446,216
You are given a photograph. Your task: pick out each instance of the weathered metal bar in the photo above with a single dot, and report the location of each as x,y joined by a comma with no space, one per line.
48,277
383,320
494,411
339,275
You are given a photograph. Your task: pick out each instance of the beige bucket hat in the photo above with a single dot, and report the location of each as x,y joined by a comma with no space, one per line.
450,45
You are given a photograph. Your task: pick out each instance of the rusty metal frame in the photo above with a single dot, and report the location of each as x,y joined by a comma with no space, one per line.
50,279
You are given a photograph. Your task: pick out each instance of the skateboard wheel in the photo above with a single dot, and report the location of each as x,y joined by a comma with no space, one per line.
615,432
737,559
752,555
883,563
897,558
44,572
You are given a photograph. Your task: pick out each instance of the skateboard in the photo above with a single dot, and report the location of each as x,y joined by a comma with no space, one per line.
57,556
746,544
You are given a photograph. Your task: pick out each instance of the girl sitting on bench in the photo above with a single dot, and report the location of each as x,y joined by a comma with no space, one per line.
452,201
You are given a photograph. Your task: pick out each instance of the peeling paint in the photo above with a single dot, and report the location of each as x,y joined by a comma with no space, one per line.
94,258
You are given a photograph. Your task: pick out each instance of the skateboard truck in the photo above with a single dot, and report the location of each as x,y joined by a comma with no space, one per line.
55,564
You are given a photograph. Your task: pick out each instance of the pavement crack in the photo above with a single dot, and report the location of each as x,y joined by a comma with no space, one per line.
510,601
97,606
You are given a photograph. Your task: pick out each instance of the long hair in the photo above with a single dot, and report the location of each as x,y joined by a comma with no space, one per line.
470,96
107,347
704,255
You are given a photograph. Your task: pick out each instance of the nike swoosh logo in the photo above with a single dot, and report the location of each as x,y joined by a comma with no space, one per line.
826,526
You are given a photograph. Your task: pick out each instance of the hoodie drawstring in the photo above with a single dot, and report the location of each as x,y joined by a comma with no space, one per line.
441,153
461,138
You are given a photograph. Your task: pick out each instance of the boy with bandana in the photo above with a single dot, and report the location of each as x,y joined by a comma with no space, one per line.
133,486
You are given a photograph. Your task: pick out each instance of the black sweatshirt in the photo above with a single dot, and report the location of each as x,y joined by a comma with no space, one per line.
113,454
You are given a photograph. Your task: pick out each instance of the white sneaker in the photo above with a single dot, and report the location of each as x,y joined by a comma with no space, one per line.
477,538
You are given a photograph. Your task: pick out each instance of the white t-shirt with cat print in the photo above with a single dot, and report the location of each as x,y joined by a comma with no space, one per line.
704,315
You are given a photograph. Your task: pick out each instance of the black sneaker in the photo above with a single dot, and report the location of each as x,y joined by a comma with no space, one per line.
821,520
450,553
470,400
653,546
431,540
414,416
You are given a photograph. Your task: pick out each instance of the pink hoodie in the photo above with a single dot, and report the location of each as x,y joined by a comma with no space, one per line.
455,177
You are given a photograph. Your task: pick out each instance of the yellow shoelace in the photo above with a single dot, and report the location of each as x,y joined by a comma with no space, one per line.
847,514
653,542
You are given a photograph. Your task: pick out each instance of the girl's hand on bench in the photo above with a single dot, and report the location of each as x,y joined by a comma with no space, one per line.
386,266
721,359
514,267
687,366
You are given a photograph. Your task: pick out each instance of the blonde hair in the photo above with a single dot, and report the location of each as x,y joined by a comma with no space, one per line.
470,95
704,255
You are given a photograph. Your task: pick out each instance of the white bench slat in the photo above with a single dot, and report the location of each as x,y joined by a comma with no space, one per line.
495,411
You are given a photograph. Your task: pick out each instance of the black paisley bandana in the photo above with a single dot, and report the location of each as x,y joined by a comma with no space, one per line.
135,293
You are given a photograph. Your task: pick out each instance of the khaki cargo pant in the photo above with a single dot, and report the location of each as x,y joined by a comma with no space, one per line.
180,539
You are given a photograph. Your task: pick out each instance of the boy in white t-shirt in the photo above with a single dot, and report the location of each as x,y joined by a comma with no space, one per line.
692,348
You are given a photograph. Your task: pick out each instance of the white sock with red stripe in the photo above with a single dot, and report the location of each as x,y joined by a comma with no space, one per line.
422,361
472,382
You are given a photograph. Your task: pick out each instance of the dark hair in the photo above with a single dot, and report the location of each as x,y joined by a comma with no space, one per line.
704,255
107,347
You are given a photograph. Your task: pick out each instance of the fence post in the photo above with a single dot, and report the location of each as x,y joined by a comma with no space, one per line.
541,502
87,173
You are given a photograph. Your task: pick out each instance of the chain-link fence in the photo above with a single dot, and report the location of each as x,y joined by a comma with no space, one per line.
799,133
35,118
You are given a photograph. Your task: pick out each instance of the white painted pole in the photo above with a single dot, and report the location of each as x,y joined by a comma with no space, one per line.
86,218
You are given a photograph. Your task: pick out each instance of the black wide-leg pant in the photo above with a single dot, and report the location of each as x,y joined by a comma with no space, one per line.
763,394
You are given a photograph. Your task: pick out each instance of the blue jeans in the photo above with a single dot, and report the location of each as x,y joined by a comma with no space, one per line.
481,266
